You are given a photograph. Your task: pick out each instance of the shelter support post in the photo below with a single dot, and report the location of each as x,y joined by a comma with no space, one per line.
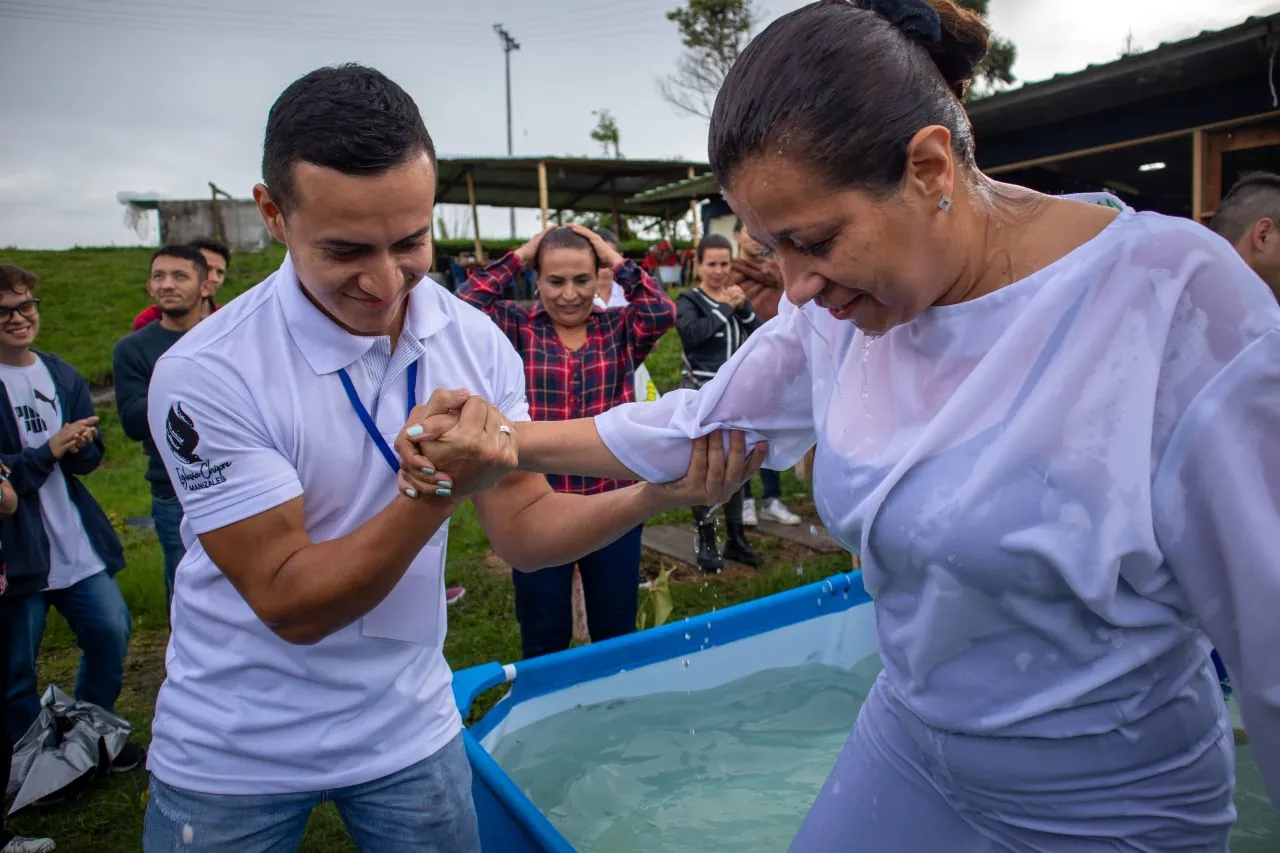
542,191
696,228
613,204
1199,154
475,214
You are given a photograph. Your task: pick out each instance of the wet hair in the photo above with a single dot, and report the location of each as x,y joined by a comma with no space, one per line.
565,238
209,244
713,241
349,118
186,253
844,86
1255,196
16,280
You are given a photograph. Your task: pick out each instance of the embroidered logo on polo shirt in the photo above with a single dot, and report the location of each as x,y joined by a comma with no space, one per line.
182,437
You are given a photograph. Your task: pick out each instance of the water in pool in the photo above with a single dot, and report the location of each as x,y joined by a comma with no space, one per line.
730,769
734,768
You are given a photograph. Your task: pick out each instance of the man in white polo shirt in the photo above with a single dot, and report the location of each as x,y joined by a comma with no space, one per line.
308,614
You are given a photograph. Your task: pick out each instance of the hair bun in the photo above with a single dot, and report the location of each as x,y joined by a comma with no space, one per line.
956,38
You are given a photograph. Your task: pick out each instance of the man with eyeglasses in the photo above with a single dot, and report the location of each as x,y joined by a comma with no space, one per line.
59,546
181,283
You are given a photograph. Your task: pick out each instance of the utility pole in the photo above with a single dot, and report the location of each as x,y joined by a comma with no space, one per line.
508,44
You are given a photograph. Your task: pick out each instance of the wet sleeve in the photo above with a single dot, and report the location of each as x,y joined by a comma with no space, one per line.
765,389
1216,482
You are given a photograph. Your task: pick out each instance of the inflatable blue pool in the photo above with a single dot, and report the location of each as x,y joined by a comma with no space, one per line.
825,627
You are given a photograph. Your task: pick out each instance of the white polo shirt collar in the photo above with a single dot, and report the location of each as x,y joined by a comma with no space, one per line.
328,347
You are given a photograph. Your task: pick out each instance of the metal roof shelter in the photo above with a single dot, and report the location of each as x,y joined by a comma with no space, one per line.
563,183
1166,130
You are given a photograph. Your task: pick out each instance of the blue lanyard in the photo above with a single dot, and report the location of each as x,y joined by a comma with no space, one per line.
365,418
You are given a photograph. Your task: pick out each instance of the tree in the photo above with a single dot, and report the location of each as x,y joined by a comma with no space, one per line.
606,133
713,33
995,71
1130,46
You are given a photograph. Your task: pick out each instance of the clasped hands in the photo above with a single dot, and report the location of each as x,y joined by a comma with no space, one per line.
458,444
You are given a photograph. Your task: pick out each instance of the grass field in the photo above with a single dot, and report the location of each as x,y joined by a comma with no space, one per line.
89,298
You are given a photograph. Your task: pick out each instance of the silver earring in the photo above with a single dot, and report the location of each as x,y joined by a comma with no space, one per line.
944,203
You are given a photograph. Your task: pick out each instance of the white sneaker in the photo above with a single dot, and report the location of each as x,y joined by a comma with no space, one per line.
776,510
18,844
749,512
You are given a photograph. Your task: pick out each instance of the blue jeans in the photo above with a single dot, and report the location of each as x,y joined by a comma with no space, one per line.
610,587
97,613
770,480
425,808
167,514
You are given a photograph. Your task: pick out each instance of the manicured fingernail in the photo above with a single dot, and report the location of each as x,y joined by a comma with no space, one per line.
411,492
427,471
414,431
444,484
444,493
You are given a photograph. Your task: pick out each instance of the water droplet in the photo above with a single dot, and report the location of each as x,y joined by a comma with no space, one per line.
688,636
692,732
819,601
835,789
799,571
684,664
813,530
1023,660
846,596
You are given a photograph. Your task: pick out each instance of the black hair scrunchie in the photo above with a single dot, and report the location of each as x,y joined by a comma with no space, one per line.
915,18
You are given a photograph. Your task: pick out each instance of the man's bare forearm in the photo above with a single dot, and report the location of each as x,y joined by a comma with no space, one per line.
325,586
557,528
568,447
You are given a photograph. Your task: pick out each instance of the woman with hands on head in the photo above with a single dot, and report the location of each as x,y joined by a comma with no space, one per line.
579,361
1047,426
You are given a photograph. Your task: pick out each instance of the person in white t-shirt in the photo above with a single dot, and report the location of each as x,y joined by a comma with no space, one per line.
305,663
1047,425
60,548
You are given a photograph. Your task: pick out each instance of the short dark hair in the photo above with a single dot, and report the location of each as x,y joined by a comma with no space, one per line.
211,245
349,118
565,237
186,253
14,279
608,236
1255,196
714,241
842,89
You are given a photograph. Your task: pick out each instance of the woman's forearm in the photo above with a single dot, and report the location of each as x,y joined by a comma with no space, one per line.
568,447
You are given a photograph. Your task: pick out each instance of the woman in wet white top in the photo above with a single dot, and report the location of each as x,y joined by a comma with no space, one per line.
1045,424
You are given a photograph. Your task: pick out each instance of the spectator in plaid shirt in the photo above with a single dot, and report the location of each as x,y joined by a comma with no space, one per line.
579,361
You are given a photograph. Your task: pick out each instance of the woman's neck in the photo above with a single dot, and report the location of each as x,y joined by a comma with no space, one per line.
573,337
17,356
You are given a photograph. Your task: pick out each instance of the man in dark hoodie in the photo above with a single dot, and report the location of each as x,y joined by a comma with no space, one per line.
59,547
180,284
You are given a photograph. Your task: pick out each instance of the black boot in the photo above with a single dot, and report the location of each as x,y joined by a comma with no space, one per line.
738,548
708,547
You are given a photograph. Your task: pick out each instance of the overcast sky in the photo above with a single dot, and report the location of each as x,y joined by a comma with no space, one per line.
102,96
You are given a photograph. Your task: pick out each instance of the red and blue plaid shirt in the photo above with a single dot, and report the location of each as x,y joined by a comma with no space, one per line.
561,383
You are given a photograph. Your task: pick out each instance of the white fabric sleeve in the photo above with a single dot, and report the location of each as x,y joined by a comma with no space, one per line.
1216,487
509,384
223,465
765,389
